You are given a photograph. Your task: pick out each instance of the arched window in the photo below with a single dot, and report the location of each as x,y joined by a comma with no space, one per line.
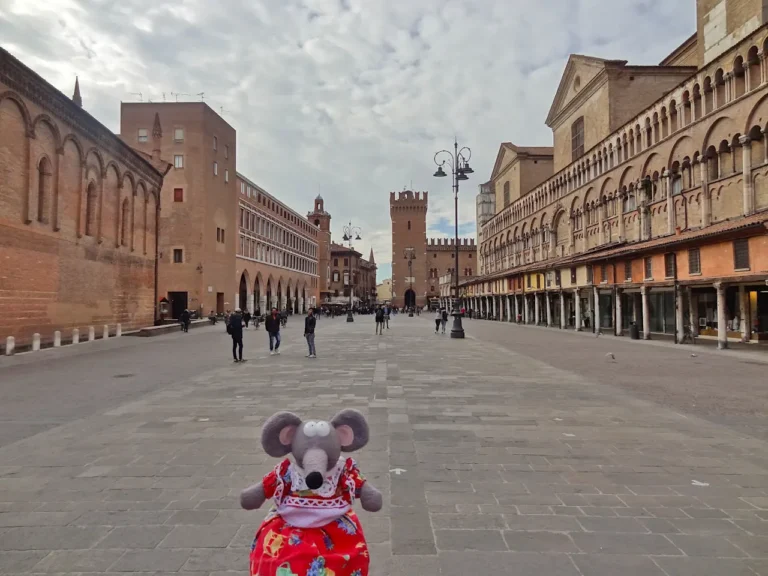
506,194
125,216
90,210
577,139
43,189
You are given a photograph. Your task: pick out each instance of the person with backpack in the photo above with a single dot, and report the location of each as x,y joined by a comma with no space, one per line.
235,329
272,326
379,316
443,318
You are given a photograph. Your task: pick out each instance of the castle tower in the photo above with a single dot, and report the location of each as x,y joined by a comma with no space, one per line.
408,212
320,218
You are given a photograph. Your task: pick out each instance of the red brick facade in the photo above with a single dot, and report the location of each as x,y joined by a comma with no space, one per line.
77,215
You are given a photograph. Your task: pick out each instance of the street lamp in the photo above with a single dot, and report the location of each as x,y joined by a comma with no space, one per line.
458,161
409,254
350,232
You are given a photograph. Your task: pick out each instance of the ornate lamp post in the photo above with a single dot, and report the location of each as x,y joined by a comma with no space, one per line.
350,232
458,160
409,254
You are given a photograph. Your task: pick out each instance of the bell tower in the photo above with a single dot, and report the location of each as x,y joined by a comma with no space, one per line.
408,212
322,220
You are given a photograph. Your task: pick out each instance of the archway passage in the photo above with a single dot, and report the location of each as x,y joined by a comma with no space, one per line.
257,297
270,304
410,298
243,301
296,300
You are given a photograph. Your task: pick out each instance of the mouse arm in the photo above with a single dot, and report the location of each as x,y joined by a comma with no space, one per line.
253,497
370,498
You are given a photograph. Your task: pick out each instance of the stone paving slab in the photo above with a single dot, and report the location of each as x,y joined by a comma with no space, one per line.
491,461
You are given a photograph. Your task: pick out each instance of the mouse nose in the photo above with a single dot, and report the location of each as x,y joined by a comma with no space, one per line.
314,480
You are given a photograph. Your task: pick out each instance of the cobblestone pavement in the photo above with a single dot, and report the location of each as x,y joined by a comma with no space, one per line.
515,451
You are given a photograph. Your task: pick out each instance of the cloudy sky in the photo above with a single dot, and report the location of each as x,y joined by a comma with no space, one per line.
350,98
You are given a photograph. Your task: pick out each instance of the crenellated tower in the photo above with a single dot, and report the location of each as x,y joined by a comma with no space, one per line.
408,212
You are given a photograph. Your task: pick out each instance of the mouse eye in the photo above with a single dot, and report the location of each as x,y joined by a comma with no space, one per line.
310,429
323,428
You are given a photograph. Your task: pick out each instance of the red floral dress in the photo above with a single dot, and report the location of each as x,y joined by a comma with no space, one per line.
311,532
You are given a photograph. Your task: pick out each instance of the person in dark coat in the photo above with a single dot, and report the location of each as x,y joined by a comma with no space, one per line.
246,318
184,320
309,332
272,325
235,329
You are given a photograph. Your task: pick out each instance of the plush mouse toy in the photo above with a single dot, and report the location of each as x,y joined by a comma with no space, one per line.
312,530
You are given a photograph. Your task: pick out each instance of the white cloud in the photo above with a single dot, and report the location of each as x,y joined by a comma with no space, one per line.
347,97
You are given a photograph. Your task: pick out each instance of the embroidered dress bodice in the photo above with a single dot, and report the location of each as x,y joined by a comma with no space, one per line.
304,508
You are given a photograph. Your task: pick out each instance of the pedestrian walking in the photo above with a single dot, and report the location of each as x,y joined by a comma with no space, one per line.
309,332
184,320
246,318
438,320
272,326
235,329
443,318
379,317
387,312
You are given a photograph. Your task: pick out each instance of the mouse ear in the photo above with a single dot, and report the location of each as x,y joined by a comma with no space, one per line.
278,432
352,430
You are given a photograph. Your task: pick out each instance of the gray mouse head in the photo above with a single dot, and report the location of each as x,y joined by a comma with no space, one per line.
316,445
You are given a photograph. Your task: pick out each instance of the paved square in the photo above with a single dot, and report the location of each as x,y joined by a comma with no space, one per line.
515,451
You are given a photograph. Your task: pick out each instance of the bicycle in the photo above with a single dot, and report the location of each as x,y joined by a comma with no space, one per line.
688,336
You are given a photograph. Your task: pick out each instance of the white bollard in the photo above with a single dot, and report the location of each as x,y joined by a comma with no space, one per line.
106,331
10,346
35,342
57,339
75,336
119,331
91,334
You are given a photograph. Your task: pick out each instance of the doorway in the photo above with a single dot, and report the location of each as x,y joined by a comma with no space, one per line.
179,302
410,298
219,302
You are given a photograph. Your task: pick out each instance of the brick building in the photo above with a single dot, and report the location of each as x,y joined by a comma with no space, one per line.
196,264
418,283
656,208
350,272
78,215
277,253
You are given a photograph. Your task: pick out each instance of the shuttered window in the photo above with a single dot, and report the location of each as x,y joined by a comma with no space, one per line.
741,254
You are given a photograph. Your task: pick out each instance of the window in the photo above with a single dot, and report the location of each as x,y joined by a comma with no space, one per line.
741,254
506,193
557,278
43,189
603,273
178,135
226,151
143,135
220,235
577,139
628,271
470,255
669,265
677,185
434,255
178,161
125,219
694,261
346,261
178,194
453,255
573,275
528,281
409,224
178,256
648,262
590,275
538,281
431,288
215,143
226,175
90,209
215,168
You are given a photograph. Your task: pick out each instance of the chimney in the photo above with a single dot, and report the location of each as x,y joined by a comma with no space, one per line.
157,137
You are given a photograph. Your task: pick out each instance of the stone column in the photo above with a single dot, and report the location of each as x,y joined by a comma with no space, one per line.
693,312
562,310
536,309
722,321
620,212
705,200
601,232
748,191
237,300
744,323
596,307
577,304
646,314
679,328
250,302
263,305
619,324
670,203
517,308
549,310
509,307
